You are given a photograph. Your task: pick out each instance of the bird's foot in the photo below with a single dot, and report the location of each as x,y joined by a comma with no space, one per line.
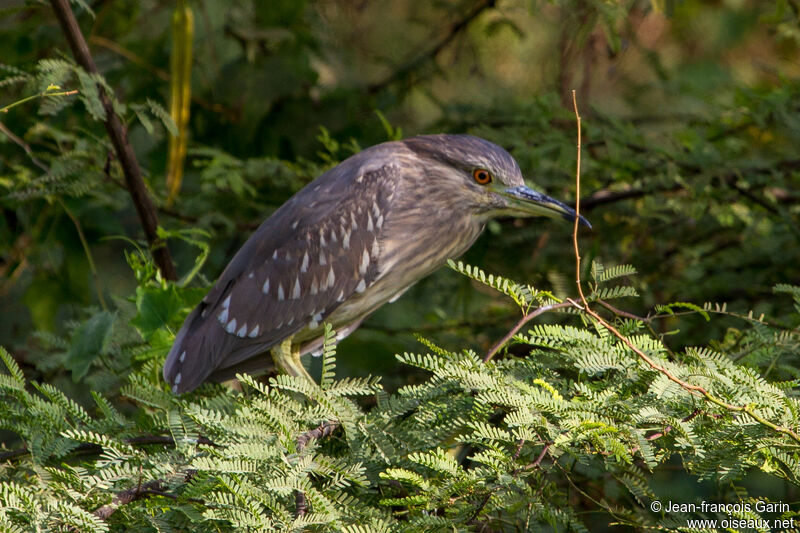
287,359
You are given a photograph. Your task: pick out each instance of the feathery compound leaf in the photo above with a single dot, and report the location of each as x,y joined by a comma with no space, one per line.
328,358
670,308
163,115
523,296
16,375
611,293
619,271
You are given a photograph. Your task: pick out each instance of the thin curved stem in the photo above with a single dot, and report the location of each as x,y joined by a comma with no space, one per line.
691,388
522,321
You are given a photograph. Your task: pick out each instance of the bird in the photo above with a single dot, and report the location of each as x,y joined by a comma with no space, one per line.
353,239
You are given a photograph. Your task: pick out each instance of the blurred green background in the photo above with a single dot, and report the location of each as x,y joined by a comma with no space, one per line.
690,161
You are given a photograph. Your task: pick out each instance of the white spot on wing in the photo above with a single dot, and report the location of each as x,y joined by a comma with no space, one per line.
182,357
242,330
295,223
223,316
322,259
265,288
227,302
370,227
376,211
231,326
275,254
364,263
379,222
361,287
296,289
178,378
280,292
304,266
322,241
314,286
317,317
353,222
331,278
375,249
253,332
250,275
346,241
340,298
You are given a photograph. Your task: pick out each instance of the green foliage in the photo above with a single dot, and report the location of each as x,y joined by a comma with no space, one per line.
87,343
689,172
473,445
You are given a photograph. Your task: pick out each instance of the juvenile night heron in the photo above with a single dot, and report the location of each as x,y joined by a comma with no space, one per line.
353,239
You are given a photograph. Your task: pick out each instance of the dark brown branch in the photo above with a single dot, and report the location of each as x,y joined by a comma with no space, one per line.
119,138
457,27
608,197
128,496
323,430
151,488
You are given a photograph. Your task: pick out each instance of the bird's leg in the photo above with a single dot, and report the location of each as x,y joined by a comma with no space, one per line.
287,358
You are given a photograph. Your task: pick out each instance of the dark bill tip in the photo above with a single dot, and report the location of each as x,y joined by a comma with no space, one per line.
535,203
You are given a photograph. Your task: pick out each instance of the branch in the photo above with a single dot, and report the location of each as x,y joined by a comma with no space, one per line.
119,138
691,388
456,28
522,321
130,495
323,430
151,488
604,197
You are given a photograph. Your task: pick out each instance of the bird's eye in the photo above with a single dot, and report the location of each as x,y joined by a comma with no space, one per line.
482,176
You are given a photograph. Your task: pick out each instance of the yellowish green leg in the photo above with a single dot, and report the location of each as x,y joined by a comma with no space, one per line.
287,358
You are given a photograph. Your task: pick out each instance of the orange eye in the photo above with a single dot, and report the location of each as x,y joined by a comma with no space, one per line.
482,176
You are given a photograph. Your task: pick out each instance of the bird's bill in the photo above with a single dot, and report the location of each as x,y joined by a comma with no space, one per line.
526,201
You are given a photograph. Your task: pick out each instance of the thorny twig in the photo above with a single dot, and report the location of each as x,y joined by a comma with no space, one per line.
697,390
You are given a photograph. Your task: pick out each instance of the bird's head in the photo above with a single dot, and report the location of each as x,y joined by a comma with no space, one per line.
483,177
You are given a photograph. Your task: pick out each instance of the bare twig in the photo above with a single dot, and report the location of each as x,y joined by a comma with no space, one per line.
691,388
25,146
522,321
541,456
457,27
119,138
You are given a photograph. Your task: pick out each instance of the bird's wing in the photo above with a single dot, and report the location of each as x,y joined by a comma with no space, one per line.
311,255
